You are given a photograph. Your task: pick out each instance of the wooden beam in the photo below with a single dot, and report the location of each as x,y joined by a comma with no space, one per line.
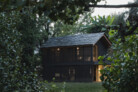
107,40
92,53
115,6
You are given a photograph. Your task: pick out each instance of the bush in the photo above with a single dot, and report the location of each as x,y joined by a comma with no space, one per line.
122,75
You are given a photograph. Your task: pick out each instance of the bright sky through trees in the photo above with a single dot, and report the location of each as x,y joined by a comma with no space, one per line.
108,11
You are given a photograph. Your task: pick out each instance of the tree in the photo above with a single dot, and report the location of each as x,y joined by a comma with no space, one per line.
98,24
13,72
61,29
9,53
29,31
18,38
122,75
61,9
66,10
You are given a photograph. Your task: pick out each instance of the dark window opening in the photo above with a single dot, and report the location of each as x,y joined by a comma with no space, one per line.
87,53
79,53
57,54
57,74
72,73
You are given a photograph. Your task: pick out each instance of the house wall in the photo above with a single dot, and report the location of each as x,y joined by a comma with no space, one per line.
77,73
102,47
67,54
71,63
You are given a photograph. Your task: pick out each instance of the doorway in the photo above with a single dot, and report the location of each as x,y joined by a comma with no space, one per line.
72,73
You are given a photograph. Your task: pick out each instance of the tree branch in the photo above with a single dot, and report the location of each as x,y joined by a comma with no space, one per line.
115,6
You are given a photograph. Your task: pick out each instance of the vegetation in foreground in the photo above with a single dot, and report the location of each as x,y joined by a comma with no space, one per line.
81,87
84,87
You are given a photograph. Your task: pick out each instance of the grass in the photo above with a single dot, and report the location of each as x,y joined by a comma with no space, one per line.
82,87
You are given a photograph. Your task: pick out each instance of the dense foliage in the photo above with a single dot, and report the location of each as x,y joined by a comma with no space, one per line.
9,53
20,36
98,24
66,10
15,74
122,75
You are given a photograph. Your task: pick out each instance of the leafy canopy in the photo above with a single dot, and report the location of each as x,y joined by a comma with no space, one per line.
66,10
121,76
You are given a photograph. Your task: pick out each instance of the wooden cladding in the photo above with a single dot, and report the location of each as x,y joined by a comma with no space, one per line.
72,73
70,54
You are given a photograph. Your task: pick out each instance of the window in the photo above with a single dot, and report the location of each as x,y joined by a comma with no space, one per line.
88,59
95,53
87,53
58,49
57,54
57,74
79,52
72,73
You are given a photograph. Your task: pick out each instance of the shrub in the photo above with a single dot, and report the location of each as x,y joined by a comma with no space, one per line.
122,75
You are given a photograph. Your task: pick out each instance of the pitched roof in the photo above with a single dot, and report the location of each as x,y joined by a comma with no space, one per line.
83,39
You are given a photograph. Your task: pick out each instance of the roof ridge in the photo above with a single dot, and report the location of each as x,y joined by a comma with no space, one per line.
77,35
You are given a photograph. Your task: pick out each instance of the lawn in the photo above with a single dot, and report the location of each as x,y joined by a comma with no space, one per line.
83,87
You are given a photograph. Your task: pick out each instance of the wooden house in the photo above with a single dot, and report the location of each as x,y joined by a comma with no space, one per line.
74,58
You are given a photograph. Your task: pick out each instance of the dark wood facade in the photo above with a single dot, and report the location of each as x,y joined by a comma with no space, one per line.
73,63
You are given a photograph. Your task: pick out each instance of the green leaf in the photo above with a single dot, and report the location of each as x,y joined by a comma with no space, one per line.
100,62
111,21
109,58
91,18
103,29
101,57
127,23
111,32
108,19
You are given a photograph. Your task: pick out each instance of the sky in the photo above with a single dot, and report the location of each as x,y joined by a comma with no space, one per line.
107,11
